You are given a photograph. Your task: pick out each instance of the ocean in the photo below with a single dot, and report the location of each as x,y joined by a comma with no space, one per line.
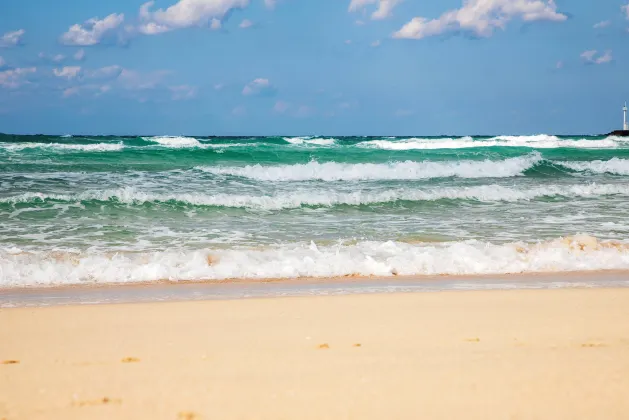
115,209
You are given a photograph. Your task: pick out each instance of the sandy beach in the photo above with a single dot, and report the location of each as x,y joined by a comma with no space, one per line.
536,354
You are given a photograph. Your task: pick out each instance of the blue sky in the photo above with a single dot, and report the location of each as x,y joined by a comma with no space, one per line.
327,67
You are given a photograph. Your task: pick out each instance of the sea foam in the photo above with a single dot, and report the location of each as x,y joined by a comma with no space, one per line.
541,141
330,198
174,141
408,170
613,166
96,147
310,141
583,253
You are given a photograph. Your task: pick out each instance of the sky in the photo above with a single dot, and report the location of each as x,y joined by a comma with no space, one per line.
313,67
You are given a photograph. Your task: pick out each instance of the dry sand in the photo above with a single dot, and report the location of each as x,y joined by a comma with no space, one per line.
548,354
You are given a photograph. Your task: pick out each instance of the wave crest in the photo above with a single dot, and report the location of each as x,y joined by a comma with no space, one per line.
613,166
330,198
409,170
97,147
310,141
541,141
175,142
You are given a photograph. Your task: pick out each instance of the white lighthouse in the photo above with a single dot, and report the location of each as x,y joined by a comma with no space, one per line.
625,125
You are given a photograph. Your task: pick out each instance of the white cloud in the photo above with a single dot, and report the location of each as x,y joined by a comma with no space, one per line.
348,41
603,24
605,58
239,111
12,39
183,92
135,80
376,43
270,4
105,73
245,24
281,107
185,14
625,9
304,111
93,31
481,17
51,58
219,86
79,55
2,62
14,78
258,87
216,24
588,55
593,57
559,65
383,9
68,72
75,90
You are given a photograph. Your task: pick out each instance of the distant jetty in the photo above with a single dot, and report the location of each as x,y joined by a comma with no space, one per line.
619,133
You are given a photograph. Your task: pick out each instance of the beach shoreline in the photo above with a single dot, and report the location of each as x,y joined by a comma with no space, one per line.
557,354
253,288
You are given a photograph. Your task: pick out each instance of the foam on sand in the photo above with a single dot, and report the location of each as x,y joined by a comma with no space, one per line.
580,253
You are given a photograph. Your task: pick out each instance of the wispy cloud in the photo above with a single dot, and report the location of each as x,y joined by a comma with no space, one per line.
481,18
384,8
603,24
12,39
94,31
259,87
593,57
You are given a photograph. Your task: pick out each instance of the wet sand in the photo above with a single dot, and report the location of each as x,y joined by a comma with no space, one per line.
524,354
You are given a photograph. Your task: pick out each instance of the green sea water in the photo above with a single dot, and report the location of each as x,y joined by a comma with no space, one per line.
94,209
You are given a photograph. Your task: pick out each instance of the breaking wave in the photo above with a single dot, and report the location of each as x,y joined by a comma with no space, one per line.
409,170
310,141
330,198
541,141
174,141
581,253
613,166
97,147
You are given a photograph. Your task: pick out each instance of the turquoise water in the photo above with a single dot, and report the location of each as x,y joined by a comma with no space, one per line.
120,209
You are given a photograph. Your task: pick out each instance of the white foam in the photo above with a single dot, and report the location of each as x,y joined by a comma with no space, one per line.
309,260
409,170
541,141
309,140
613,166
330,198
97,147
174,141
